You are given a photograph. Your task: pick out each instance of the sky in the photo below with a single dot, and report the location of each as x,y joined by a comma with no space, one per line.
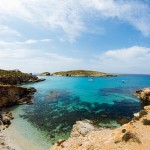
110,36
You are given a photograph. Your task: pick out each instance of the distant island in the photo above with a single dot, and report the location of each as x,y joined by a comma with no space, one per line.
45,74
83,73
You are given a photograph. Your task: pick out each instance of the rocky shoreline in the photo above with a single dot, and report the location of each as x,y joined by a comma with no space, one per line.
133,135
143,94
11,94
84,135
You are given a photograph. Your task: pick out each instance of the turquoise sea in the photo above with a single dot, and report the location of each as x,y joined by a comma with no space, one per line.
61,101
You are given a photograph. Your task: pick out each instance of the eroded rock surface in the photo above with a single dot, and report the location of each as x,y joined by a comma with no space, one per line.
14,77
143,94
10,94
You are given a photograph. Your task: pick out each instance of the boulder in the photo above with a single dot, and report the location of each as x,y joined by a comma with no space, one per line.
143,94
10,94
82,128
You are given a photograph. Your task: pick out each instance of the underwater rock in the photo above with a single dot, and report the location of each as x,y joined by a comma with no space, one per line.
53,97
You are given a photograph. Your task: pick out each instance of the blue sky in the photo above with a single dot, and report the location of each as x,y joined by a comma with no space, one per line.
52,35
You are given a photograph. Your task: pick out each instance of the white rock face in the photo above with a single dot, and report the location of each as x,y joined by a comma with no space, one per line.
136,114
81,128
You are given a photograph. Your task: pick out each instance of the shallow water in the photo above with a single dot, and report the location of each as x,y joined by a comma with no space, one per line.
60,101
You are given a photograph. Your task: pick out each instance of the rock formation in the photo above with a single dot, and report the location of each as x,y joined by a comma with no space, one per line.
143,94
85,136
10,94
17,77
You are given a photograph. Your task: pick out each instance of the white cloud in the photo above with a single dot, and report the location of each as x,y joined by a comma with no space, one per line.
15,54
134,12
33,41
5,30
23,56
71,17
15,44
61,58
46,40
135,59
55,15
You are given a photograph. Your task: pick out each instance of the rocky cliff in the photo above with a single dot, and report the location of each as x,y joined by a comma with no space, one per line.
10,94
14,77
143,94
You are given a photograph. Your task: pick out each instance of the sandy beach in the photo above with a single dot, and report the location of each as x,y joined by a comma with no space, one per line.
12,138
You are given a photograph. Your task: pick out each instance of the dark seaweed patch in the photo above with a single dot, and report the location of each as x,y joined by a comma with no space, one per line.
57,118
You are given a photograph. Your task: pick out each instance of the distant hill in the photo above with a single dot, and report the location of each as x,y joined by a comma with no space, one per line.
17,77
85,73
45,74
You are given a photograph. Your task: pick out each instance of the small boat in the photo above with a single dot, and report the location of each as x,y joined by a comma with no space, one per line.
91,79
123,81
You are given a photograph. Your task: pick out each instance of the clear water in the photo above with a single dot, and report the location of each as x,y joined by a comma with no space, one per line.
60,101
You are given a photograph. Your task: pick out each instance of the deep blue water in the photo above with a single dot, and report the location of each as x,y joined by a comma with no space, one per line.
60,101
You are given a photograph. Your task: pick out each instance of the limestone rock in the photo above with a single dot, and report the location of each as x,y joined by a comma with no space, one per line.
10,94
143,94
81,128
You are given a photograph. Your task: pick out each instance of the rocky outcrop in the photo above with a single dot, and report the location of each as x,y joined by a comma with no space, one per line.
45,74
13,80
5,119
10,94
82,128
143,94
14,77
85,136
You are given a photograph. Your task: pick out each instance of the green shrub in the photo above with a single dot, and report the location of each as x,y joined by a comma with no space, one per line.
146,122
127,136
142,113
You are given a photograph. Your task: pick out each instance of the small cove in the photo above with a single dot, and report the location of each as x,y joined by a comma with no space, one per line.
61,101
